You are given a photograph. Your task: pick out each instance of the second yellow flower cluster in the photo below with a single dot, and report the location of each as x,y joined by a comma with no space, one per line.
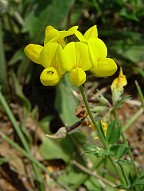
58,57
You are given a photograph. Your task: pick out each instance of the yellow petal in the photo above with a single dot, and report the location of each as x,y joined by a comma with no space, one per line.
49,77
105,67
53,55
51,34
91,32
97,49
71,31
77,76
80,36
119,82
78,55
122,77
48,54
33,51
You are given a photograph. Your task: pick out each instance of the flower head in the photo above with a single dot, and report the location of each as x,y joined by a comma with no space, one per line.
79,60
117,86
60,57
101,66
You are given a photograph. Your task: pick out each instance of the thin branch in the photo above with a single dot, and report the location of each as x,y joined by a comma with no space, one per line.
87,171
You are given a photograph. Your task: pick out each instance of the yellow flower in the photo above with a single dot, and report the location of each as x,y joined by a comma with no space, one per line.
52,55
59,57
119,82
79,60
32,51
101,66
97,47
104,126
53,35
117,86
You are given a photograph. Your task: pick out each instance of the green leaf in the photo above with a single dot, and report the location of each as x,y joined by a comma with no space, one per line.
45,123
110,130
56,149
119,102
65,102
122,150
3,67
19,55
101,128
19,92
47,13
125,162
116,133
122,186
3,160
139,180
72,177
113,133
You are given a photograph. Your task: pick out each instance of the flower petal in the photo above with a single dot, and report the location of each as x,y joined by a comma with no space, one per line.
48,54
105,67
53,55
119,82
77,76
49,77
33,51
78,55
80,36
91,33
51,34
71,31
97,48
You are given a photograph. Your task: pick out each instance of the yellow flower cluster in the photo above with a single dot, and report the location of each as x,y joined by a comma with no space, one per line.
58,57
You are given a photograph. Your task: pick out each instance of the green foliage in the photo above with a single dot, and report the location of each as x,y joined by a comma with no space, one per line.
65,102
113,133
52,149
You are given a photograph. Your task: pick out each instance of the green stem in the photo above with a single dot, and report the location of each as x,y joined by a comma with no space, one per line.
140,93
99,131
32,159
123,173
100,135
117,170
22,138
130,154
133,119
3,69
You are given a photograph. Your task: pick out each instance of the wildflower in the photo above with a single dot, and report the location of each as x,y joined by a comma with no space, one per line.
104,126
58,57
53,35
101,66
52,58
117,86
53,55
79,60
32,51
